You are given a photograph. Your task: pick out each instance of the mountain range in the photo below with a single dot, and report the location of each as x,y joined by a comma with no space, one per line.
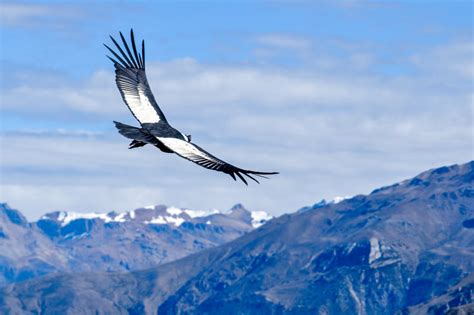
143,238
404,248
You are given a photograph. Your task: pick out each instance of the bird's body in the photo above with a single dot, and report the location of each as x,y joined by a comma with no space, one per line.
155,129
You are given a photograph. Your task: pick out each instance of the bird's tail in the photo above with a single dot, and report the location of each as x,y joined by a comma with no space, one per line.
138,135
136,144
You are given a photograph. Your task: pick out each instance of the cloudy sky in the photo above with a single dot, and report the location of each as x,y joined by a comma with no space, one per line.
340,97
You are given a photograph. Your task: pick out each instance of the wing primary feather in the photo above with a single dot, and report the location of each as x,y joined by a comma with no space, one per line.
128,63
116,63
196,154
128,50
261,174
143,53
134,47
112,59
242,178
251,178
116,56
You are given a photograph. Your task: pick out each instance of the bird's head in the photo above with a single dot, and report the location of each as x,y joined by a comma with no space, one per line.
186,137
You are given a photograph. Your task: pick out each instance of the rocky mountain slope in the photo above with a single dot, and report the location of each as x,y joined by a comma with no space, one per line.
25,252
404,248
139,239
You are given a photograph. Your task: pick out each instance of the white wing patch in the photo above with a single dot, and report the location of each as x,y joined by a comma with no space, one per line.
194,153
138,102
187,150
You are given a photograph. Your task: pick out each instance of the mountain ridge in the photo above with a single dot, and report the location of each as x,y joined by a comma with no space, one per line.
404,248
64,241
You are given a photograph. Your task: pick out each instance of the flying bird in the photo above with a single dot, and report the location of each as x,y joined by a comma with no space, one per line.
154,129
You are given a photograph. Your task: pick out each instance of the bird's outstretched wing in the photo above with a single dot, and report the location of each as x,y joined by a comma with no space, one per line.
194,153
131,81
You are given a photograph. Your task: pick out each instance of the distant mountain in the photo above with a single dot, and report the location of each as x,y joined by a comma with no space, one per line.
405,248
139,239
25,252
322,203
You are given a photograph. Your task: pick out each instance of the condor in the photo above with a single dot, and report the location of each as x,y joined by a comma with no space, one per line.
154,128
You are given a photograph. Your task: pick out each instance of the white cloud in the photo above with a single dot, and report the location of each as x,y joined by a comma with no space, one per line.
62,98
18,13
454,60
185,87
23,14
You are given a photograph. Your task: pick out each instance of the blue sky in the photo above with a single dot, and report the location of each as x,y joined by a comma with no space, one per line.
341,97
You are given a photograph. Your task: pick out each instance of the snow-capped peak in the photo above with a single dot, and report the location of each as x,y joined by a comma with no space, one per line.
259,218
339,199
201,213
178,216
174,211
165,220
156,215
67,217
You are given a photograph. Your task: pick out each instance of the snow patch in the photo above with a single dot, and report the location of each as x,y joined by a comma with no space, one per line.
120,217
83,235
62,215
259,218
339,199
67,217
158,220
165,220
132,214
152,207
175,221
353,245
174,211
200,213
208,222
375,252
359,304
